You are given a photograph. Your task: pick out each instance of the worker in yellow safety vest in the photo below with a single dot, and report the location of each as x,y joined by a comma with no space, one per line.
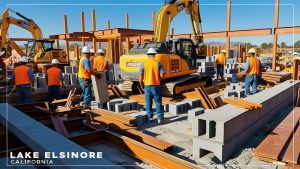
253,70
23,76
220,64
151,73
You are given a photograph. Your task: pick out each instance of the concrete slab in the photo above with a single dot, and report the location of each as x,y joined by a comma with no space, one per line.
42,139
100,89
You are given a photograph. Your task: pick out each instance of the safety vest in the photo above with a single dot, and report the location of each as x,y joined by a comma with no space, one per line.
221,59
151,72
82,73
53,76
21,75
253,66
100,63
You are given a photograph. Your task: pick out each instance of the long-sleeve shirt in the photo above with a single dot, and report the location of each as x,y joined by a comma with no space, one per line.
30,74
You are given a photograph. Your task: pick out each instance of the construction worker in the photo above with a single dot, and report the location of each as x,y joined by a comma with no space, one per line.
54,79
23,77
252,69
84,76
100,63
151,73
220,63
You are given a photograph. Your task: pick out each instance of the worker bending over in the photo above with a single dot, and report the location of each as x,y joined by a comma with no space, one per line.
23,77
100,62
84,76
151,73
253,70
54,79
220,63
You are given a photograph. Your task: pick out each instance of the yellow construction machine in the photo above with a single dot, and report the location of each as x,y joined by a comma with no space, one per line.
178,56
37,50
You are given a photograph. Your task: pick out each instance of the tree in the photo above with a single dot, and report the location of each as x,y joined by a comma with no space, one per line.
270,45
297,44
264,45
283,45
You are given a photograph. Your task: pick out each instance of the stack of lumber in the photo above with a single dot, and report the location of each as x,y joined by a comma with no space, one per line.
276,77
283,143
123,119
242,103
206,101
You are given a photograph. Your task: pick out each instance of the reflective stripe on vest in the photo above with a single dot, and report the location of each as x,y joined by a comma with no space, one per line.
253,66
221,59
53,76
100,63
151,72
21,75
82,73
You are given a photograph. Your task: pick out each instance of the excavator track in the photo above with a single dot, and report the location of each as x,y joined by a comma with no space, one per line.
172,87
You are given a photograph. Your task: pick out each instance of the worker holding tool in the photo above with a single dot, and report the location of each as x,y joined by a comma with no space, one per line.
100,62
54,79
84,76
220,63
151,73
253,70
23,77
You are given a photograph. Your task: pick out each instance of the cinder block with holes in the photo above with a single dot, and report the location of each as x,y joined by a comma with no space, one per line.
194,112
67,80
111,104
178,108
141,117
68,69
126,106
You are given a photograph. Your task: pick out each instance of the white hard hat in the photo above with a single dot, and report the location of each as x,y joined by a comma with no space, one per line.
86,49
92,51
251,50
100,51
151,51
54,61
223,51
24,59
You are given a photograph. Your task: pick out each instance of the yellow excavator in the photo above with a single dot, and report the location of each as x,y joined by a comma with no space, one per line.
178,56
37,50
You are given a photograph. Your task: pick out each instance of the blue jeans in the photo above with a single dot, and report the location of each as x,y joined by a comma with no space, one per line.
220,70
86,91
24,92
53,93
153,92
251,80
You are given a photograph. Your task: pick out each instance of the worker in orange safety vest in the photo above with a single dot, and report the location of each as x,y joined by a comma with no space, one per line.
220,64
23,78
54,79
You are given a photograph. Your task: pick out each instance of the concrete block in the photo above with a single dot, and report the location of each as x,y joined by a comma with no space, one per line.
206,64
74,69
126,106
194,112
116,69
230,93
192,103
41,81
111,104
166,107
74,79
68,69
178,108
40,75
222,152
232,78
240,93
100,89
67,80
230,71
141,118
35,84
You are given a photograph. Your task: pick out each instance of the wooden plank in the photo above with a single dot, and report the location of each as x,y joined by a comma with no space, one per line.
272,145
40,138
292,154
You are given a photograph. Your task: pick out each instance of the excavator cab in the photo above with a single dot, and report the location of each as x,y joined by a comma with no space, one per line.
42,51
185,48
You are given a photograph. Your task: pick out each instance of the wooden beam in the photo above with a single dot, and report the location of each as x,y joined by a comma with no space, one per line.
153,20
57,43
287,30
253,32
94,28
228,27
108,24
275,36
82,26
66,32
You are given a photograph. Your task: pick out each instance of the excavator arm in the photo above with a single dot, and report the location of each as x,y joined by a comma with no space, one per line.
167,13
26,24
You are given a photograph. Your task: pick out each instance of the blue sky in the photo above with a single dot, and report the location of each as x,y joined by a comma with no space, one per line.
246,14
